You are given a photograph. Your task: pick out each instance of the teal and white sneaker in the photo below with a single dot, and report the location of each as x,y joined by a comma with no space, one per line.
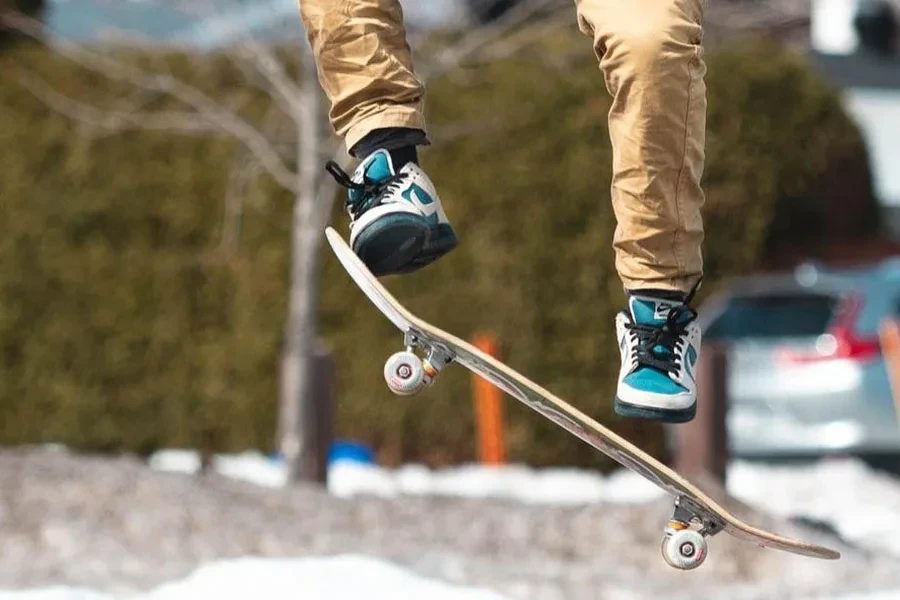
397,223
659,341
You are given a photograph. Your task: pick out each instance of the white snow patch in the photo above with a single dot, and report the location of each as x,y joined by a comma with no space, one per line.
346,577
556,486
891,595
253,467
862,505
54,593
513,482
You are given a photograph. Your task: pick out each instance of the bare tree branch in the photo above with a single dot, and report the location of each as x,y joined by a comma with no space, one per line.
503,49
246,50
206,108
452,57
287,93
181,122
240,177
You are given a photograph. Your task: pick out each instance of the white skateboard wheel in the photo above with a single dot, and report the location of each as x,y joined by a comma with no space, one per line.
404,373
684,550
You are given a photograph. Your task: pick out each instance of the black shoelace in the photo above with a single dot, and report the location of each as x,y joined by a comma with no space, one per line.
370,192
657,346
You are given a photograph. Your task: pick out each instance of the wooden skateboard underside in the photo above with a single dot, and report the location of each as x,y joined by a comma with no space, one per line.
560,412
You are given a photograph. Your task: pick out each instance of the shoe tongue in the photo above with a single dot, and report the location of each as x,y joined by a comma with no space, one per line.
650,311
377,167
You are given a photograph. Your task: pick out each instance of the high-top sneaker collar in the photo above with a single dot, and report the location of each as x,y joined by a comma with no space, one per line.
646,310
377,167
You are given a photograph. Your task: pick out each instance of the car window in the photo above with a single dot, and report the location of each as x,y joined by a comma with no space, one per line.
771,316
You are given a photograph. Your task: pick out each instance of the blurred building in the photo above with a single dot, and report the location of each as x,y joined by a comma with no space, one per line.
854,43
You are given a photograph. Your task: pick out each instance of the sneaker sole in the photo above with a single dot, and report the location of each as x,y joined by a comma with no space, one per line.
633,411
441,241
392,243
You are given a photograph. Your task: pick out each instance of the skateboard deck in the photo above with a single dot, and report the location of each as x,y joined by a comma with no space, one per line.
696,516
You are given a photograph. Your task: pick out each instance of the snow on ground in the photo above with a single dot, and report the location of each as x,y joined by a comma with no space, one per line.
862,505
76,527
345,577
895,595
519,483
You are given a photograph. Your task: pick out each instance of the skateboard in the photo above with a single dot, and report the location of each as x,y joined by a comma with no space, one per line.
695,517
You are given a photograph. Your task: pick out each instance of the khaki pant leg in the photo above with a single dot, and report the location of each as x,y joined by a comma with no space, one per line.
651,58
364,65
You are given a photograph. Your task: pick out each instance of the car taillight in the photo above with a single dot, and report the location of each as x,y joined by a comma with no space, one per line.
840,342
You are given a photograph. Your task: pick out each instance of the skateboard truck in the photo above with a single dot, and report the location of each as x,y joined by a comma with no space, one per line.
406,373
685,548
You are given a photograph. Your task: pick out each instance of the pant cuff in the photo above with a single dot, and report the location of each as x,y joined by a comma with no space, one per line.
396,116
678,284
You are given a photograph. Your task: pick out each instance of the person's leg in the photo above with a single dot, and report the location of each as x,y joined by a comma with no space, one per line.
365,68
651,58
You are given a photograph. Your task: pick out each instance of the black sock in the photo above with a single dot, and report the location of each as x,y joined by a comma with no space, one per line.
401,156
400,142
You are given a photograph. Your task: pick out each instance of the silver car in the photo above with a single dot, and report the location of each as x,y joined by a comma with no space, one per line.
806,374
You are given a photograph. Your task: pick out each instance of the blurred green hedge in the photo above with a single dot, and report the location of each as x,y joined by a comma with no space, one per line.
126,325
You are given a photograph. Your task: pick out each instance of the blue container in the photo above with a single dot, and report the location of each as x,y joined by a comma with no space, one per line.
340,450
349,450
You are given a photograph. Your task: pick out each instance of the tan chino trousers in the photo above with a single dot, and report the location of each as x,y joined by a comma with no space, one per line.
651,58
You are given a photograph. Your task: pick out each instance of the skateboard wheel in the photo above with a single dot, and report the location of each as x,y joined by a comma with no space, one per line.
404,373
684,550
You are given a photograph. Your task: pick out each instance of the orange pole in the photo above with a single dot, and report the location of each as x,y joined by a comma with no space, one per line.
488,410
889,335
